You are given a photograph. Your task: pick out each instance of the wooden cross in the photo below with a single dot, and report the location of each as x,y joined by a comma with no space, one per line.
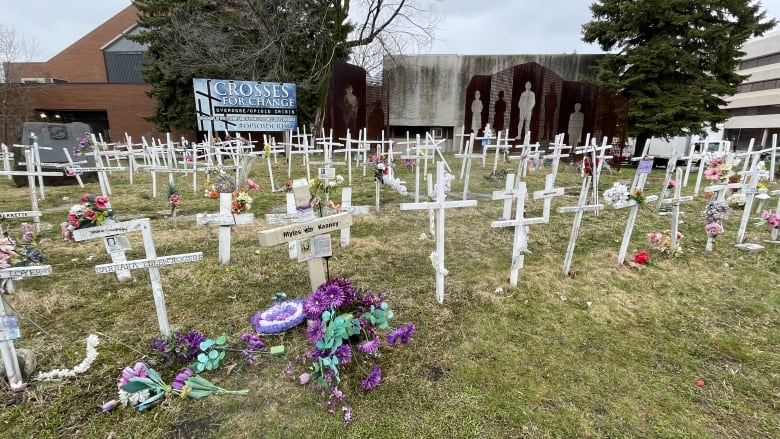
642,171
520,241
346,206
675,202
152,262
508,194
6,156
557,154
749,188
302,231
578,210
226,220
440,205
597,159
547,194
528,152
774,233
9,329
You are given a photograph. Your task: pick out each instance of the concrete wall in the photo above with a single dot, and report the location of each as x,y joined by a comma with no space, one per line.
430,90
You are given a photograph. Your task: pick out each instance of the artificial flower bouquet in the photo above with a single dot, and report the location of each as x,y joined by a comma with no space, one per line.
662,242
344,321
768,219
93,210
16,254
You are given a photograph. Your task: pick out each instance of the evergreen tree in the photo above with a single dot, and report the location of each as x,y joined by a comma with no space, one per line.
674,60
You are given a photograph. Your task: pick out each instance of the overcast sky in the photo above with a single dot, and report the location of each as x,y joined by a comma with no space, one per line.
470,27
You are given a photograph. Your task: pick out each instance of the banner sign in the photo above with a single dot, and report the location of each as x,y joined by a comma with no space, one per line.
226,105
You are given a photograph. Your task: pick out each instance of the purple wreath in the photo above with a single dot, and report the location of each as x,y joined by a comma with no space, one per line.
280,317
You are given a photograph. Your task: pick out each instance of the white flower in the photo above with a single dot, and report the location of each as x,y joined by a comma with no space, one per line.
92,353
618,193
133,399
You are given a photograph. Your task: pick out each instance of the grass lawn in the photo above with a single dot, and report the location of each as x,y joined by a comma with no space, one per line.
606,351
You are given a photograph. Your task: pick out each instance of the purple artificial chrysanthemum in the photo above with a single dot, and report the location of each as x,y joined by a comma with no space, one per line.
333,295
314,331
347,415
346,288
366,299
369,347
314,305
343,353
373,379
279,317
314,354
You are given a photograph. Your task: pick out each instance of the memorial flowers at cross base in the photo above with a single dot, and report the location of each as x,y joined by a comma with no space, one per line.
174,198
184,355
714,213
346,323
85,145
93,210
662,242
324,188
15,254
768,219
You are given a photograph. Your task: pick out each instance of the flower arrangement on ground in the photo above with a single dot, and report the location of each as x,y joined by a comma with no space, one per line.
642,258
383,174
319,189
14,254
344,321
662,242
185,355
717,169
174,197
85,145
93,210
737,201
714,213
771,220
616,195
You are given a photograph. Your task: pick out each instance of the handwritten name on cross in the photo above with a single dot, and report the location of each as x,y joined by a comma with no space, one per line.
644,168
151,262
440,205
10,331
299,231
520,223
225,219
578,210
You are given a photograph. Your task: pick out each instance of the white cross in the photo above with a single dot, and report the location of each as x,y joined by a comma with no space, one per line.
440,205
302,231
675,202
7,332
750,191
637,185
547,194
151,262
225,219
575,228
520,240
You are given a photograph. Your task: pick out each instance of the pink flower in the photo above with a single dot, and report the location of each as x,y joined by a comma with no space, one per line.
85,198
73,219
252,185
90,215
773,221
304,378
138,370
174,199
765,215
713,173
101,202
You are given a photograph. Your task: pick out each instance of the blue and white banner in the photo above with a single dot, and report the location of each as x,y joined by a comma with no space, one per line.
226,105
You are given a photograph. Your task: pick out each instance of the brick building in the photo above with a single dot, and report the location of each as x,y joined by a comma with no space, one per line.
95,80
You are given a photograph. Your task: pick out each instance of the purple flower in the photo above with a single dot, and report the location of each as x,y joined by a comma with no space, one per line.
138,370
178,383
108,406
314,354
252,341
344,353
304,378
369,347
334,296
347,415
280,317
373,378
314,332
315,304
346,288
403,333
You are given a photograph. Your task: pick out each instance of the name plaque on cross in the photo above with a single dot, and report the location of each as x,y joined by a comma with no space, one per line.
319,226
108,230
220,219
14,272
23,214
139,264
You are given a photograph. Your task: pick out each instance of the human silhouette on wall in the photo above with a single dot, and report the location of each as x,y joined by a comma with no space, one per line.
550,104
499,108
476,113
526,105
351,106
576,123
